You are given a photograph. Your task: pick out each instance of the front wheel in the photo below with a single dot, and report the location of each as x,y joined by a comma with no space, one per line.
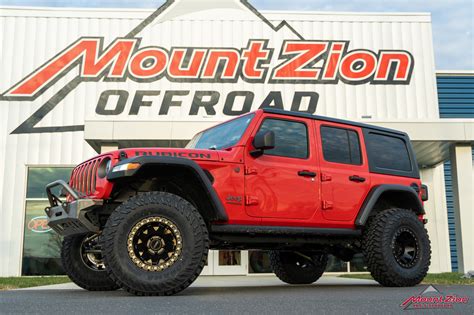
155,243
397,248
82,261
298,267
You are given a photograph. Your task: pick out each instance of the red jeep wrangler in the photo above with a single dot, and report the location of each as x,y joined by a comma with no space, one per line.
297,185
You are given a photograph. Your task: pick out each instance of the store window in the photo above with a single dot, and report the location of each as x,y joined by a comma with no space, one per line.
41,245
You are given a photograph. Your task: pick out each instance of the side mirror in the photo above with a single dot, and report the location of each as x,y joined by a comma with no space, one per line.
263,141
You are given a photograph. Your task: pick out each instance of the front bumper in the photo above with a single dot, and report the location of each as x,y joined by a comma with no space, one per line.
74,217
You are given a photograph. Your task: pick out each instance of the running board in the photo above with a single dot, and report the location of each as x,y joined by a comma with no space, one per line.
283,230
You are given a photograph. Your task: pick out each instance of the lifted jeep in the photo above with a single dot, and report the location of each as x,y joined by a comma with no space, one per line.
297,185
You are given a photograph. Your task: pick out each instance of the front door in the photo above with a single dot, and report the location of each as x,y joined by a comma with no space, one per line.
281,183
345,178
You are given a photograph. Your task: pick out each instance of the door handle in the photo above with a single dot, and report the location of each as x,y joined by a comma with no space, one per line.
357,179
306,173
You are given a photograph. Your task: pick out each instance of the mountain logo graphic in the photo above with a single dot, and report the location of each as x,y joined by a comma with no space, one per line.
432,298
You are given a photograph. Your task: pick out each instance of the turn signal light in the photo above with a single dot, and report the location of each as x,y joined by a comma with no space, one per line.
126,167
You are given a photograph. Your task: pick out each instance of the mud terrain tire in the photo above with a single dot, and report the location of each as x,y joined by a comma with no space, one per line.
82,274
155,243
396,248
298,267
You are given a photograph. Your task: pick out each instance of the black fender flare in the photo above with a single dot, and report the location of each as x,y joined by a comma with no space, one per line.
219,211
377,191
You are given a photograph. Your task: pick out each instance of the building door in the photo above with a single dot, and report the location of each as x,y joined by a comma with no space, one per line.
226,262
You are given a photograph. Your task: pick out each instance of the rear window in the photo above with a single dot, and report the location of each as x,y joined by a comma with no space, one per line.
341,145
387,152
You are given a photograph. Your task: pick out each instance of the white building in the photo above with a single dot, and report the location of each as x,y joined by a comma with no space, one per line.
78,81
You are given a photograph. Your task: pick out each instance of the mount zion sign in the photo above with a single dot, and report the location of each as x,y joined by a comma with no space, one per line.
292,62
125,59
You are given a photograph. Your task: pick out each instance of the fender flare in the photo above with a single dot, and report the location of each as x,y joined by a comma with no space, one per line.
377,191
218,211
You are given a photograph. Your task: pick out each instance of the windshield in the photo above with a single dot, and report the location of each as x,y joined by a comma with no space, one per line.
221,136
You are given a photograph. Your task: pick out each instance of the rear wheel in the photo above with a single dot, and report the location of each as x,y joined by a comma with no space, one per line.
155,244
397,248
298,267
82,260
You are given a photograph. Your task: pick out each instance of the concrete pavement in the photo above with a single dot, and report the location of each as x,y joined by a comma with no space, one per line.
230,295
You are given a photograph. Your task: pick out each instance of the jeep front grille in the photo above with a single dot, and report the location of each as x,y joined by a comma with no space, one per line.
83,178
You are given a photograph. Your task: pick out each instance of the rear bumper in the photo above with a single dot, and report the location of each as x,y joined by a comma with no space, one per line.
69,218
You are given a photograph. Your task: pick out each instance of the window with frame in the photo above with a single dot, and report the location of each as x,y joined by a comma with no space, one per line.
387,152
41,245
291,138
341,145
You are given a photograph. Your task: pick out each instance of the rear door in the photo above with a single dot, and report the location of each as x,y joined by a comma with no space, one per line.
345,178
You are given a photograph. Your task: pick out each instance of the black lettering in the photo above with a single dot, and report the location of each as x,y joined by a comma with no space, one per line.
193,155
168,100
230,101
205,156
312,102
104,99
274,98
208,105
139,102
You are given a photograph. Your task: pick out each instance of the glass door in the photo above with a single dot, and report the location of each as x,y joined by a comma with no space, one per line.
230,262
226,262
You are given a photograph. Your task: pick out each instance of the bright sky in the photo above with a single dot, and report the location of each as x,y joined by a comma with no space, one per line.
453,20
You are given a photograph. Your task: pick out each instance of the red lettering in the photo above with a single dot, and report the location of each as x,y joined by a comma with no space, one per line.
231,59
253,57
402,61
300,54
93,64
358,65
176,69
333,60
157,59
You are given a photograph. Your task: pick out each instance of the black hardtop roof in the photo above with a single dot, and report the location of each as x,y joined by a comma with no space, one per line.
330,119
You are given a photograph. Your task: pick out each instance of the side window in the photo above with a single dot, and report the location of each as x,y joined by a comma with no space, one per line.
388,152
341,145
291,138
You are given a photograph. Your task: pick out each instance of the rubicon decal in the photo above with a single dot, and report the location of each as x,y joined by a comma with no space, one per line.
125,59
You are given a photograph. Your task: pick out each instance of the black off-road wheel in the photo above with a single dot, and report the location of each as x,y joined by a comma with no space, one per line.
298,267
82,261
155,244
396,248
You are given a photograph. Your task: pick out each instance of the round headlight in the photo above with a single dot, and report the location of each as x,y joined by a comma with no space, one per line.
104,167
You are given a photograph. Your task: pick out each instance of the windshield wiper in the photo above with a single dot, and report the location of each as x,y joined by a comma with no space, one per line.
212,147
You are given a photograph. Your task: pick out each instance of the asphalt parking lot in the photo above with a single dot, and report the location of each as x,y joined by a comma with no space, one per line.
231,295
